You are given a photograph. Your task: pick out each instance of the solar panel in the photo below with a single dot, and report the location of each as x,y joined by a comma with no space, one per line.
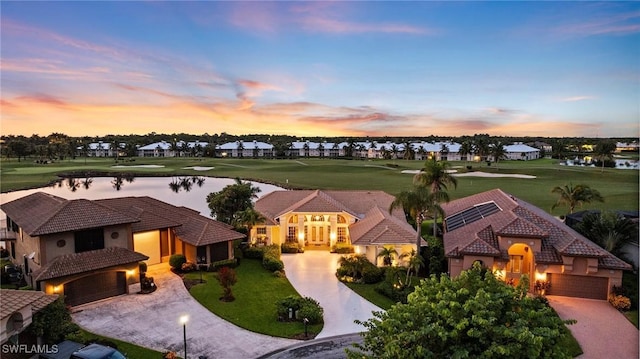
471,215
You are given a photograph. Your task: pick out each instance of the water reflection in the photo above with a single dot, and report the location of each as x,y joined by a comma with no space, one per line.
186,183
102,187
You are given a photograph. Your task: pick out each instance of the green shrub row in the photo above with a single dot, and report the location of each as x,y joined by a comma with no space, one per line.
342,248
299,308
253,252
229,263
357,268
271,258
291,247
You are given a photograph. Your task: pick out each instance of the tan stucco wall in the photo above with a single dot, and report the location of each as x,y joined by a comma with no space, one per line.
533,243
148,243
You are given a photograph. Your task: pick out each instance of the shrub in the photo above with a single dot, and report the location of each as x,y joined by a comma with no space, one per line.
392,288
372,274
272,264
300,308
352,268
280,274
189,267
272,250
177,260
291,248
253,252
142,267
342,249
229,263
227,278
620,302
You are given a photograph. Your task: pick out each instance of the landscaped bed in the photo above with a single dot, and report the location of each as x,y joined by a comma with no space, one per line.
256,294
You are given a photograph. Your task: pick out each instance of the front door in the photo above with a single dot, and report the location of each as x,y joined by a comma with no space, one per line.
318,236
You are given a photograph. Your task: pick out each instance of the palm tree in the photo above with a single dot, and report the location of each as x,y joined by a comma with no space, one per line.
465,150
573,196
497,151
604,151
436,176
414,263
387,254
609,230
416,203
481,147
248,218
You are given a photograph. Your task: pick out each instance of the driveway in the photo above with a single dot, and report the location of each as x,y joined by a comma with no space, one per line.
152,321
601,330
313,275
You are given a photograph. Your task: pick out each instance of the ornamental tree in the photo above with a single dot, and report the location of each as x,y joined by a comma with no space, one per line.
474,315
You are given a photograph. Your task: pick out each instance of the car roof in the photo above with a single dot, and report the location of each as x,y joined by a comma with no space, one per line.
94,351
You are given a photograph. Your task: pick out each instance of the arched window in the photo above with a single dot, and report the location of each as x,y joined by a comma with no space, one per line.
341,219
293,219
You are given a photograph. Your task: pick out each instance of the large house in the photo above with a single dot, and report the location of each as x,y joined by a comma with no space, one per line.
317,219
89,250
514,238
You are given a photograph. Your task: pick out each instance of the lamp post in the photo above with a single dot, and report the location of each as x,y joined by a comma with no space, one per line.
183,320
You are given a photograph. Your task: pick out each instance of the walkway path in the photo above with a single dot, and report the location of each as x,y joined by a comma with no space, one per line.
152,321
313,275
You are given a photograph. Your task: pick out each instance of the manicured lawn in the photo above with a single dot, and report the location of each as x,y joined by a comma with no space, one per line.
619,187
256,293
131,351
632,315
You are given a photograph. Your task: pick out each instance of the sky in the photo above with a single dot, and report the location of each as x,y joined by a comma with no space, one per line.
553,69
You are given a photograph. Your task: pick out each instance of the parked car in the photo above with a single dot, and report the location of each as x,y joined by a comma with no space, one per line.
12,273
97,351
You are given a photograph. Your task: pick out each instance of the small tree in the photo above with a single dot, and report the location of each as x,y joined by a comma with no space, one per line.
474,315
53,322
227,278
387,254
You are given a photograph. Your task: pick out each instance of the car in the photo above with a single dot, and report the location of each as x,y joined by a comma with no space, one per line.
97,351
13,273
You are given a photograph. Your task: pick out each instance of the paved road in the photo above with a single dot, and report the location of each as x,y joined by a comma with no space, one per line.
601,330
324,348
152,321
313,275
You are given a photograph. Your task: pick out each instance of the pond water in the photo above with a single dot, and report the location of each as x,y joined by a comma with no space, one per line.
187,191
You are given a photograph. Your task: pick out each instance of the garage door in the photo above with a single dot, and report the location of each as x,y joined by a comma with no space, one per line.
578,286
95,287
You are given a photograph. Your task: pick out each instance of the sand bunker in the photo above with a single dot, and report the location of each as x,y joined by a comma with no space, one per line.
138,166
482,174
417,171
198,168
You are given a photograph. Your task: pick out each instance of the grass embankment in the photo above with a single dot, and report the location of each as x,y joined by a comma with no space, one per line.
618,187
254,308
131,351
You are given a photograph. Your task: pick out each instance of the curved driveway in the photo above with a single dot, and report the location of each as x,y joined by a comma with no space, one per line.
152,321
313,275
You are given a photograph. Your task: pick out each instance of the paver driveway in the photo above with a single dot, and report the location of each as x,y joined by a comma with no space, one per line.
152,321
601,330
313,275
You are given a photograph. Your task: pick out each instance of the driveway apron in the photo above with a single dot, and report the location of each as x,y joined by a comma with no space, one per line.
313,275
152,321
601,330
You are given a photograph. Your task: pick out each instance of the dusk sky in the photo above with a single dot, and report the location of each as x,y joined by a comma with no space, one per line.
329,69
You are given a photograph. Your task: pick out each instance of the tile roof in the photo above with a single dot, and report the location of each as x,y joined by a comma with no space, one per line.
518,218
39,214
375,225
75,263
14,300
188,224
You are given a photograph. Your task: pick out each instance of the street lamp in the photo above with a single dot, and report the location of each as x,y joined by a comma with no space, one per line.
183,320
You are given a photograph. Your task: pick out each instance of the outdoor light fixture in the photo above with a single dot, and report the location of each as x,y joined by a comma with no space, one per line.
183,320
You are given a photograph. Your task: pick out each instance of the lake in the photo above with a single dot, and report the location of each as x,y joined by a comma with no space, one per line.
187,191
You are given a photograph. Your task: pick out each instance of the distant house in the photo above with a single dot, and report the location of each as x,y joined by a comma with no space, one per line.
316,219
248,149
89,250
519,151
514,238
17,311
175,149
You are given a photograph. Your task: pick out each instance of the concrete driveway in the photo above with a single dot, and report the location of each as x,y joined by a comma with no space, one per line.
601,330
313,275
152,321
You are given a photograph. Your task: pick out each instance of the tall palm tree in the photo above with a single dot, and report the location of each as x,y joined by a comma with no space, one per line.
436,176
414,263
416,203
573,196
465,150
604,151
248,218
497,151
609,230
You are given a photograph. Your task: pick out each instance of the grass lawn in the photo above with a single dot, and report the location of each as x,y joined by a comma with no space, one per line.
619,187
256,292
131,351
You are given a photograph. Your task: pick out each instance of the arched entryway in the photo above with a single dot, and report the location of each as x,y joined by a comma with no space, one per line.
521,262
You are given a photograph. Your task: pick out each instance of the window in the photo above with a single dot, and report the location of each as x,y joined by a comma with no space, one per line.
342,234
261,231
292,235
515,264
341,219
293,219
89,240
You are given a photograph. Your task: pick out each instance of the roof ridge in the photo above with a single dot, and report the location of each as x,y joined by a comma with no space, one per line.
54,212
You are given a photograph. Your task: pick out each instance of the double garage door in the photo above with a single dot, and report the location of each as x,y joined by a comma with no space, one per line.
578,286
95,287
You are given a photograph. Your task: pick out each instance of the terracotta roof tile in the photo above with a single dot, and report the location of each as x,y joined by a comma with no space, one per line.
518,218
379,227
75,263
14,300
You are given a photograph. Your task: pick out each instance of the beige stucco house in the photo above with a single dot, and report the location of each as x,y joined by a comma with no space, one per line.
514,238
318,219
90,250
